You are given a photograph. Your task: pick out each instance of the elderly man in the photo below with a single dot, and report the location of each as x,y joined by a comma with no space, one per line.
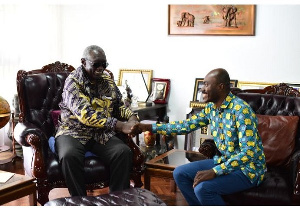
241,164
92,114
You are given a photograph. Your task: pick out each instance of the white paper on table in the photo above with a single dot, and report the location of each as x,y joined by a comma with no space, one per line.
5,176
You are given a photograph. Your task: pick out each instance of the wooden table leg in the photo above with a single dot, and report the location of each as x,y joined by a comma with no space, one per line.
173,186
33,199
147,180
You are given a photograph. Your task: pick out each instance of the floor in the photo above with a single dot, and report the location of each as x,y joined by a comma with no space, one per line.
161,187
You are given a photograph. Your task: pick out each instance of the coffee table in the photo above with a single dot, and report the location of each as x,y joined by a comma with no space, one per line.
16,187
163,165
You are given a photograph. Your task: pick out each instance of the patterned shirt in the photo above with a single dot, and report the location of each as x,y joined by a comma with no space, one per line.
90,110
234,129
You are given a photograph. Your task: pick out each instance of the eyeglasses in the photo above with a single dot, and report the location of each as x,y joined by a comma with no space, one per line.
96,65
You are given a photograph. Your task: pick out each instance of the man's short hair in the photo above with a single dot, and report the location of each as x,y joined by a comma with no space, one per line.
223,77
87,50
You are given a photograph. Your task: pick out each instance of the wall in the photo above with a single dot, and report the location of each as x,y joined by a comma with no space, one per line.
134,35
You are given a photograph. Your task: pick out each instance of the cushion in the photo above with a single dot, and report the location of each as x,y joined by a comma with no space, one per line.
278,137
55,114
51,143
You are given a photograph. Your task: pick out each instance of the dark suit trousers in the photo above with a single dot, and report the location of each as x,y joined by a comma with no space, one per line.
115,154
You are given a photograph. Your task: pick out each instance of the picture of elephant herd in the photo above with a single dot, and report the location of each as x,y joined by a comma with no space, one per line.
229,13
212,19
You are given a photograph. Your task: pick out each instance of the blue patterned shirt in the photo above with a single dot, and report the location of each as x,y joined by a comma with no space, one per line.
90,110
234,129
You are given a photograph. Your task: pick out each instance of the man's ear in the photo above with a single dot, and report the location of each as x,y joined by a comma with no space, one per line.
221,86
83,61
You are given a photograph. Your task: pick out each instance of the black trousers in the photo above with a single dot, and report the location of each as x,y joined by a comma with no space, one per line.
115,153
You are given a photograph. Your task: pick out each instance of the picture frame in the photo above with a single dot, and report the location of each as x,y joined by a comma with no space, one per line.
139,81
198,85
193,19
160,90
244,85
294,85
197,95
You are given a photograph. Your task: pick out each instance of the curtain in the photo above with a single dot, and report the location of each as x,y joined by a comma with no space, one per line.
29,38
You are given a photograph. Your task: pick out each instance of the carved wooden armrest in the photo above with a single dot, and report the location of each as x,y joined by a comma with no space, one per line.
138,162
208,148
27,134
296,170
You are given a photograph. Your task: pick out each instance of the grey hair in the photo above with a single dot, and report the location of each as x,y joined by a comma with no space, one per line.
88,50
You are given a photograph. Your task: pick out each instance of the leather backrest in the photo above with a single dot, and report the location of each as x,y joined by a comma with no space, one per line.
39,93
42,94
269,104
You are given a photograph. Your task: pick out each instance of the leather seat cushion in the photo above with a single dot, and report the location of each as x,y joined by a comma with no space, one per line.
95,170
128,197
278,136
275,190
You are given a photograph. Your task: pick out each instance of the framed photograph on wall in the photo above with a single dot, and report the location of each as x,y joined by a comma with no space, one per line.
160,90
211,20
139,81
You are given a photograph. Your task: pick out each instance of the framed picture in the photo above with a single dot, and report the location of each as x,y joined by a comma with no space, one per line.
197,96
294,85
160,90
138,80
253,85
211,20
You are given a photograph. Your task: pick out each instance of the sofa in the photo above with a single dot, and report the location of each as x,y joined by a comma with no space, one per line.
129,197
278,125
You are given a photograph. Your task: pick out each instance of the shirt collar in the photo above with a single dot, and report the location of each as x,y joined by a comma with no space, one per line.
226,101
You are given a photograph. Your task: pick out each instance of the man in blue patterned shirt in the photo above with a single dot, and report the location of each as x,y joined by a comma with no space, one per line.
241,164
92,113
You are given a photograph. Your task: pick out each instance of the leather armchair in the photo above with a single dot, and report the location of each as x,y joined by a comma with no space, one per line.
39,94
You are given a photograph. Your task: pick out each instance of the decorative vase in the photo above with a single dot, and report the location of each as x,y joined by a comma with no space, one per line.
149,138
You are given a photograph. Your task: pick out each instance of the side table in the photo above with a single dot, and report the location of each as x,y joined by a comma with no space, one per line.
164,165
16,187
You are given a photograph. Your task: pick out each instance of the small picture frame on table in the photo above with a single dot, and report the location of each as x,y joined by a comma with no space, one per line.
160,90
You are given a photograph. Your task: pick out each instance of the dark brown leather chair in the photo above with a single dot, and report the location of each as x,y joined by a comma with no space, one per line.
278,89
39,94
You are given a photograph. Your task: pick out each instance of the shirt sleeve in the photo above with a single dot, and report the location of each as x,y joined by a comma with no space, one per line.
125,113
182,127
84,109
246,124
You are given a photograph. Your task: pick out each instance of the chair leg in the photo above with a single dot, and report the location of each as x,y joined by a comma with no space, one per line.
137,179
42,192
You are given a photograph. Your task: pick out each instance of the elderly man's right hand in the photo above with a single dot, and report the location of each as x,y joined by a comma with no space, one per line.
140,127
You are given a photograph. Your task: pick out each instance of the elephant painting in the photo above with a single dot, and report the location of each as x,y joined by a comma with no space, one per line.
229,16
206,20
187,20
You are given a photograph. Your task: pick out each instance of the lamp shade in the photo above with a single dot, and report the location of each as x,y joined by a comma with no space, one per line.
4,112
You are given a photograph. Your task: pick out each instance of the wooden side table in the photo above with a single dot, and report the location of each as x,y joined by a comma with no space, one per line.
16,187
164,165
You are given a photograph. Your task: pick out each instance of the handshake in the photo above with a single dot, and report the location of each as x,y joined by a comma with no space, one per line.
133,128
